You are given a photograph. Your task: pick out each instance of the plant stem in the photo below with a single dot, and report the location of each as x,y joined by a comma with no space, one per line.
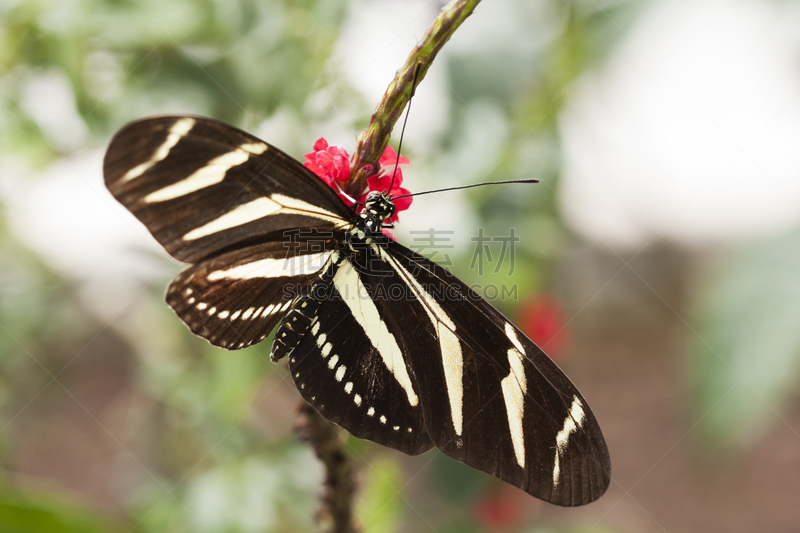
336,512
374,139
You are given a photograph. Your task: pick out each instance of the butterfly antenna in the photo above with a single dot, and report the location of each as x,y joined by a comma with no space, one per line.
405,121
528,180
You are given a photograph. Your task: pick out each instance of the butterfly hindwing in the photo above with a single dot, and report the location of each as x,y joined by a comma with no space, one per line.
337,367
235,299
201,186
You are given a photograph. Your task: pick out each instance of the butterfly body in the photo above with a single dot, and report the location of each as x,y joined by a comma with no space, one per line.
379,339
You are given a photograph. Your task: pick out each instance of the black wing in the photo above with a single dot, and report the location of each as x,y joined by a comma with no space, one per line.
354,376
234,299
201,186
449,364
546,439
255,222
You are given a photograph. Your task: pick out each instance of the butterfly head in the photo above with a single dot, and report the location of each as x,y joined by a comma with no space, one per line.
378,207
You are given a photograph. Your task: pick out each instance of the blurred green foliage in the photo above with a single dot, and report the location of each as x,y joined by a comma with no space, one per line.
380,508
236,61
37,512
746,353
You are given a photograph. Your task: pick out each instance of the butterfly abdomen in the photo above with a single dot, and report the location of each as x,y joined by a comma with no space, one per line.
304,312
294,326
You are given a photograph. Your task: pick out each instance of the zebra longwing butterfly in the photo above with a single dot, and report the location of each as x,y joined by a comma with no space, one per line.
380,340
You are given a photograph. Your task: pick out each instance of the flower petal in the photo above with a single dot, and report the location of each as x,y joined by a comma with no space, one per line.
398,178
338,151
379,182
402,203
389,158
341,168
313,167
320,145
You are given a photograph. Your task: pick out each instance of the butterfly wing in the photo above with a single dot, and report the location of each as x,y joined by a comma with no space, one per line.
241,210
235,299
444,362
506,409
201,186
354,376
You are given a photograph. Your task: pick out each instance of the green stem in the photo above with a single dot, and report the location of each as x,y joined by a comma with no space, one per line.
374,139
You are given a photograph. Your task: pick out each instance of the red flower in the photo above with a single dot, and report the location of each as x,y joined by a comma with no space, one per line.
501,510
541,318
332,164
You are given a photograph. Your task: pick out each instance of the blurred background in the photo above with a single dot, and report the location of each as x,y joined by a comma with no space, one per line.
657,261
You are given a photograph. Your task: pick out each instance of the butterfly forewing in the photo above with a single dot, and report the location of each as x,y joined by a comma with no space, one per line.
201,186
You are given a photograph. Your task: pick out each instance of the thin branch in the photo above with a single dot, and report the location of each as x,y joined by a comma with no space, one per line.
336,512
373,140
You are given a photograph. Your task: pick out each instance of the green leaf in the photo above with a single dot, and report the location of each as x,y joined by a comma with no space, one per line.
746,351
42,513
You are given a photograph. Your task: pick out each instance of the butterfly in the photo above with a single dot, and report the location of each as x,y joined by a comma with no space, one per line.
379,339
